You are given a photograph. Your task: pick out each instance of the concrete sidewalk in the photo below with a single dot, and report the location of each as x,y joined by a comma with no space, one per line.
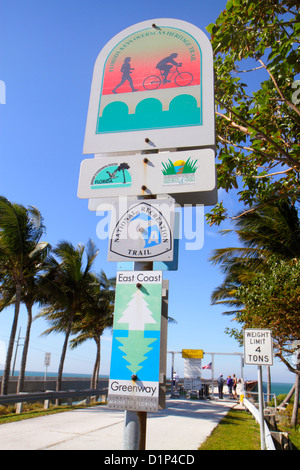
182,425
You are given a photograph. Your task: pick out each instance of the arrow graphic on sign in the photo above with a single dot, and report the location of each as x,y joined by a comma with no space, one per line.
135,347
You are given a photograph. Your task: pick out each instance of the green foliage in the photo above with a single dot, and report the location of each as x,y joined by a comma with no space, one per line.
262,277
272,300
256,60
59,278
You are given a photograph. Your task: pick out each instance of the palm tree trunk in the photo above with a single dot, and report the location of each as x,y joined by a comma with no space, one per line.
5,378
269,384
63,355
94,382
25,350
294,418
289,396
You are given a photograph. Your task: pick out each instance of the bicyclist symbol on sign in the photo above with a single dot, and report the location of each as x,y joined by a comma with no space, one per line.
165,66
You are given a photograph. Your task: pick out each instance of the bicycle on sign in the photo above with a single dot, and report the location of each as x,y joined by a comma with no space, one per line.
180,79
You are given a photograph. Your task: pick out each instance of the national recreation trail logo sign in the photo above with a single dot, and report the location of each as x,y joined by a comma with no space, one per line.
143,232
134,369
179,172
156,75
112,175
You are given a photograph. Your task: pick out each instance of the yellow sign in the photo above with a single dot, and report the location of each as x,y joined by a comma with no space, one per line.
192,353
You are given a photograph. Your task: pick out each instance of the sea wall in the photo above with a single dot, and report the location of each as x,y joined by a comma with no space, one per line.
38,384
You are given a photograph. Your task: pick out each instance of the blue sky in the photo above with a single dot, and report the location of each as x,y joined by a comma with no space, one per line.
47,55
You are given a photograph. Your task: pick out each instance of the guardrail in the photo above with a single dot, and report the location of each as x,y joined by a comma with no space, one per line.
46,397
271,396
255,413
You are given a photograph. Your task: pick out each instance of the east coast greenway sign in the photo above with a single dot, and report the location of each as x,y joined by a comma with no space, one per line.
135,359
152,88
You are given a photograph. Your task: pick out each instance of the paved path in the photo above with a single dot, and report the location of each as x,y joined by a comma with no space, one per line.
183,425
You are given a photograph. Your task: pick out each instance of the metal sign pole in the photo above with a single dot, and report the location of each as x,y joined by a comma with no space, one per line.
261,409
172,375
212,376
192,179
135,423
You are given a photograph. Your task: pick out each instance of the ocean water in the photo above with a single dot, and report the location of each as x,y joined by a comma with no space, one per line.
278,388
33,373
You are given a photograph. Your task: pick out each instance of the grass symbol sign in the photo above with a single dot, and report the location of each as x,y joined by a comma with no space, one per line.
134,371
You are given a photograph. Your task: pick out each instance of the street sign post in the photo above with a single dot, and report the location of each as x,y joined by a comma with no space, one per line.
258,350
47,361
151,129
258,347
192,368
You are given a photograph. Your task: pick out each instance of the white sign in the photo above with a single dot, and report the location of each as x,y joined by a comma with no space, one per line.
47,359
192,368
152,88
191,384
145,175
144,232
258,347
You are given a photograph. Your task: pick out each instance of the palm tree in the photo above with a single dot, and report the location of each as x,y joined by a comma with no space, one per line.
65,289
98,315
30,295
20,232
123,166
270,229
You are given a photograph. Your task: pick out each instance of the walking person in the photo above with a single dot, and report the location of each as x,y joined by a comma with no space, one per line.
220,383
175,380
126,70
234,386
229,385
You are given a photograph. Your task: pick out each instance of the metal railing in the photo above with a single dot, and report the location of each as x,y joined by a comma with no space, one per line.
267,398
50,395
254,411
